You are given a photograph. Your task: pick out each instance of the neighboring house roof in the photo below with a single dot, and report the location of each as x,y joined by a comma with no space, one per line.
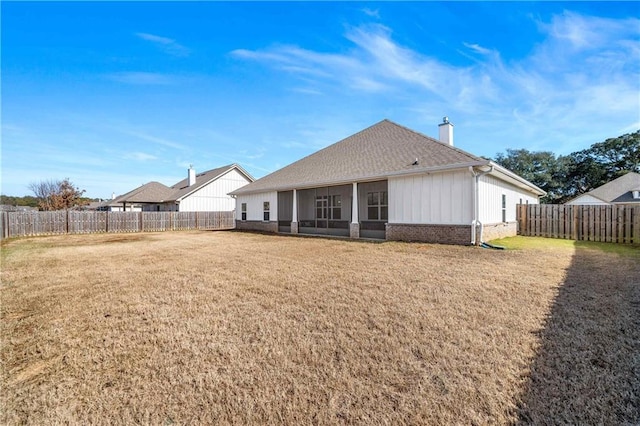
151,192
155,192
383,150
617,191
10,208
181,189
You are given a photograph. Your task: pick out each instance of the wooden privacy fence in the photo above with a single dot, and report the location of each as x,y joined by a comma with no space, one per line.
611,224
20,224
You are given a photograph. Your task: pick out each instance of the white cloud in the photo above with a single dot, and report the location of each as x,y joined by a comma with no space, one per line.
142,78
151,138
374,13
168,45
584,75
140,156
478,49
306,91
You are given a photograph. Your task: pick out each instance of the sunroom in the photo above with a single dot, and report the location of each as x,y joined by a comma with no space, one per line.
330,210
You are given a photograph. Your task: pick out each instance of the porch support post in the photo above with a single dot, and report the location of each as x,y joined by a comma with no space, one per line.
294,213
354,226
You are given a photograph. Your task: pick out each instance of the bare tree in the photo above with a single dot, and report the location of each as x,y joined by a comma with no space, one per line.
56,194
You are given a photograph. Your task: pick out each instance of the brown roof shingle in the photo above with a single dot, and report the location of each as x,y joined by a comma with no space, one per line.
151,192
155,192
181,189
383,149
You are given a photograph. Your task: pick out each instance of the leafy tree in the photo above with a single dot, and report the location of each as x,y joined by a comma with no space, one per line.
602,163
543,169
565,177
56,194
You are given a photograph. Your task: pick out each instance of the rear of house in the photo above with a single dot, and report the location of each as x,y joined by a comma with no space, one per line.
389,182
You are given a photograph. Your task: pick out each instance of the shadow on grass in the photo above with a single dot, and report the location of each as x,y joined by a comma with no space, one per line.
587,370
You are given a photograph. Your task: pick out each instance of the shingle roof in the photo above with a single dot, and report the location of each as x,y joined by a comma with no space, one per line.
181,188
618,190
155,192
151,192
383,149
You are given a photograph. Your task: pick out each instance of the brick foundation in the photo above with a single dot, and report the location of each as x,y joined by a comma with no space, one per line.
354,230
256,225
442,234
499,230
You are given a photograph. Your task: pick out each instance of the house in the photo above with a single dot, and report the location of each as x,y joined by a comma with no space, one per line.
207,191
389,182
623,190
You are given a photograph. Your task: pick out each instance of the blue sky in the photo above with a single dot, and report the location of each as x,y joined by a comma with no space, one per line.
116,94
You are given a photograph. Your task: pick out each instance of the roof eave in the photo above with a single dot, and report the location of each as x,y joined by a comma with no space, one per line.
219,175
521,182
366,178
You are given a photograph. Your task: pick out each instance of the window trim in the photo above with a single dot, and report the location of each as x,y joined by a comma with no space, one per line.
381,195
266,209
243,211
504,208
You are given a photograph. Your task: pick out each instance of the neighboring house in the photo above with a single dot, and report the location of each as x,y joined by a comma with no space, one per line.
623,190
389,182
207,191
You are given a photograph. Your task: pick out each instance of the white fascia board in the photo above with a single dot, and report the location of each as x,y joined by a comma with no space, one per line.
511,177
243,171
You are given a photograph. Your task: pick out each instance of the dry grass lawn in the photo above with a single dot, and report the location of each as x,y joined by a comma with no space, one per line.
240,328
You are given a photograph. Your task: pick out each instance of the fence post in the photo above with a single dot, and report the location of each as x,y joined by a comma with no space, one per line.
636,225
5,224
575,222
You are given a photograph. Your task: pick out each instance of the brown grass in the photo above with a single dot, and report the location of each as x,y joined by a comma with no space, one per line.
230,327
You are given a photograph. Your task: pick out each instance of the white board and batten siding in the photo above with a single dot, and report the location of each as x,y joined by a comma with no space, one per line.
214,196
255,204
436,198
490,192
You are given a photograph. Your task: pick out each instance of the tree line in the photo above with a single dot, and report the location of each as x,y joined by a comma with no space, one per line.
566,176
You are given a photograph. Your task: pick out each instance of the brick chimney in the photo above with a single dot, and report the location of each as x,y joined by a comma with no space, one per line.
445,131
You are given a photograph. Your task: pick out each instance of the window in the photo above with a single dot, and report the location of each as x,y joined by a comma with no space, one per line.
329,207
244,211
321,207
335,207
504,207
377,205
265,208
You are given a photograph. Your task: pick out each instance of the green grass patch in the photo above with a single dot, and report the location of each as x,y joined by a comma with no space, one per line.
522,243
527,243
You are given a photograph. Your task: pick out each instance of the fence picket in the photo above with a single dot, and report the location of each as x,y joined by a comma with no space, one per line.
605,223
19,224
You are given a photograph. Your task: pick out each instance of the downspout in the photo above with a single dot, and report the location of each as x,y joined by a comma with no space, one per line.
475,223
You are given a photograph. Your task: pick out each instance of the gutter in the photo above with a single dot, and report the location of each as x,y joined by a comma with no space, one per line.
475,223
